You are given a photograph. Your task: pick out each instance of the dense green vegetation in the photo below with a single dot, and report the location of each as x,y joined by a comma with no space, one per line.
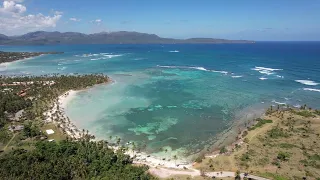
260,123
304,113
273,176
35,95
69,160
13,56
31,156
287,145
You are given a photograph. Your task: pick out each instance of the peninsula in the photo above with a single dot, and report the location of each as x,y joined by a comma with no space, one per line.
14,56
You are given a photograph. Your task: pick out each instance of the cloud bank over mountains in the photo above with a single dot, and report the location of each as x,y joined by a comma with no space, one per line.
14,18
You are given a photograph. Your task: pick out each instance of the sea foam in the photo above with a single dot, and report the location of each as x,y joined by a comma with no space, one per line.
222,72
199,68
307,82
193,67
112,56
310,89
106,56
185,67
175,51
280,103
236,76
265,70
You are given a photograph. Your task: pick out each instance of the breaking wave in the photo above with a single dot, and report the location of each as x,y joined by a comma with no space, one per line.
265,70
236,76
307,82
310,89
192,67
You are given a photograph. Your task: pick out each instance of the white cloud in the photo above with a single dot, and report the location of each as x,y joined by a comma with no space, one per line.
58,12
14,21
75,19
96,21
12,7
18,1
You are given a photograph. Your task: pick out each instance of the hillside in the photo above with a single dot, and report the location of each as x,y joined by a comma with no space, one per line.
283,145
120,37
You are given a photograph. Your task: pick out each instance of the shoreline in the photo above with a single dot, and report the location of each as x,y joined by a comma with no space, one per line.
71,130
5,64
167,168
58,108
9,57
75,133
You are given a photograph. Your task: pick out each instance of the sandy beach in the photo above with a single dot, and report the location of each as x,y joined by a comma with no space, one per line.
58,116
160,166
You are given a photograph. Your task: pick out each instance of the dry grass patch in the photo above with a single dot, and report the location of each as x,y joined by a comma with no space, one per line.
284,144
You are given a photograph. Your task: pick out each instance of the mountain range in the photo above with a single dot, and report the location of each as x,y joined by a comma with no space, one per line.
120,37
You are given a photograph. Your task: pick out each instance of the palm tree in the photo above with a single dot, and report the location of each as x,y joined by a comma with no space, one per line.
118,141
175,159
106,143
133,148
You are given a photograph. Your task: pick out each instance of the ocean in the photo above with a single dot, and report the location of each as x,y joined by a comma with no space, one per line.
183,98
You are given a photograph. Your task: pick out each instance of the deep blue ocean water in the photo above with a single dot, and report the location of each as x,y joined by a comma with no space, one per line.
179,96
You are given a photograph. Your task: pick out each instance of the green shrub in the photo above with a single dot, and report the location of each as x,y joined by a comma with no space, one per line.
200,158
244,134
260,123
276,132
245,157
304,113
287,145
5,136
223,150
315,157
273,176
283,156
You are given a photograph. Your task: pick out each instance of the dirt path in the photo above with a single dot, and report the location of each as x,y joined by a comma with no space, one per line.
9,142
166,173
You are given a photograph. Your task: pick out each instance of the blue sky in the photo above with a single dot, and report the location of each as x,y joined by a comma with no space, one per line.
232,19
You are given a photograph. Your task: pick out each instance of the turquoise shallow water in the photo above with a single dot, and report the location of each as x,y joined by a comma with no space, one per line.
179,96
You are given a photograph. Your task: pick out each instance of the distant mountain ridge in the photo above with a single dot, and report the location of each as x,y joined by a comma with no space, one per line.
120,37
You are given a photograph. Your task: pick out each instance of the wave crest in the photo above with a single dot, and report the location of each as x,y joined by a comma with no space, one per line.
307,82
310,89
267,71
193,67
